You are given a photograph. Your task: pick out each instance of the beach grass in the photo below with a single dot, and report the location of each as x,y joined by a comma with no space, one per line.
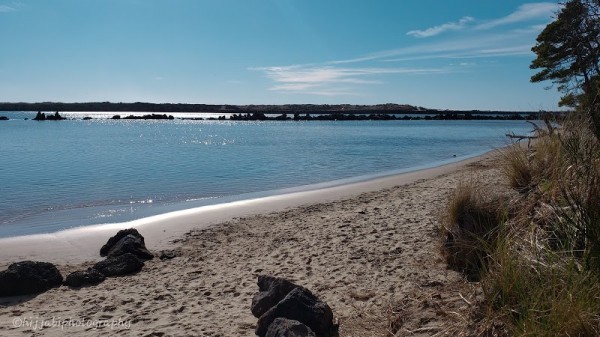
540,276
470,228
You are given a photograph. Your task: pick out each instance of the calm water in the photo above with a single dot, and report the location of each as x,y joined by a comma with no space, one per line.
56,175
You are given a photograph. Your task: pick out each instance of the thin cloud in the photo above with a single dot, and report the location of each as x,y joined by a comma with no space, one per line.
525,12
475,40
531,29
6,9
433,31
473,44
465,51
325,79
506,51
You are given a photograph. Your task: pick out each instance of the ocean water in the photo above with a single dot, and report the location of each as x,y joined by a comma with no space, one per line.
57,175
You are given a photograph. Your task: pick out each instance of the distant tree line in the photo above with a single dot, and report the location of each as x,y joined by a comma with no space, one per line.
314,109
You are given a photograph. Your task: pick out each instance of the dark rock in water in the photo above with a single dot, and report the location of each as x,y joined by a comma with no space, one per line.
55,117
152,116
271,291
126,241
40,116
283,327
120,265
298,305
84,277
3,118
167,254
29,277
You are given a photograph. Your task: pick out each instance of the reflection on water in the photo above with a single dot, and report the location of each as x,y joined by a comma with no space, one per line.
61,174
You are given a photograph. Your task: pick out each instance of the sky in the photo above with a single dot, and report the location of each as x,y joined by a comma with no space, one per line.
444,54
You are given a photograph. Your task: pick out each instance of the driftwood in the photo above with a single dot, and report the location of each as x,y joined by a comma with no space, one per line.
536,130
521,137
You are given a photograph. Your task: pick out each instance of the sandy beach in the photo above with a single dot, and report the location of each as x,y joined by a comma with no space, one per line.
370,250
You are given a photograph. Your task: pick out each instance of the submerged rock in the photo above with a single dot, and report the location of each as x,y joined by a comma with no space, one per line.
29,277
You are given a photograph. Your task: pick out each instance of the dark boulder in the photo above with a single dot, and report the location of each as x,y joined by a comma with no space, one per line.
271,291
29,277
302,306
131,244
283,327
83,278
120,265
126,241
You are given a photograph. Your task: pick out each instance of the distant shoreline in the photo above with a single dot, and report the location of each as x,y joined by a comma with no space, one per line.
335,116
313,109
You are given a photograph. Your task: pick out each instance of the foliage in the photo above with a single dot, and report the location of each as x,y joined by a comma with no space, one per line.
567,49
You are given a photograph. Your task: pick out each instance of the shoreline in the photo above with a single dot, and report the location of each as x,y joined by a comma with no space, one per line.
13,230
81,244
370,250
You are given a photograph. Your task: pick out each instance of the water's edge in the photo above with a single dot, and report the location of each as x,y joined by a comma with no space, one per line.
164,211
164,231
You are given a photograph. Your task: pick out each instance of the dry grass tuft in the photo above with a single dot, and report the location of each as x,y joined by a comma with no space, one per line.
518,168
470,228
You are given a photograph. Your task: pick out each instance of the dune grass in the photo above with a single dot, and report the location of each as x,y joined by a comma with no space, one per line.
539,299
470,229
539,263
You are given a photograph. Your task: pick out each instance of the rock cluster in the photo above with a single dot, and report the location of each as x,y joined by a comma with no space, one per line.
285,309
125,252
40,116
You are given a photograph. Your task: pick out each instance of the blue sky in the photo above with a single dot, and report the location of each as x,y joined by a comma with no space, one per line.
472,54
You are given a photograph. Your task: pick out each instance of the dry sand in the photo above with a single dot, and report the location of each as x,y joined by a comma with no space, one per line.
373,257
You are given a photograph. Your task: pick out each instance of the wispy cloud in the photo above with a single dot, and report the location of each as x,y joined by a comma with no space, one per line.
326,79
525,12
465,49
433,31
6,8
474,39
